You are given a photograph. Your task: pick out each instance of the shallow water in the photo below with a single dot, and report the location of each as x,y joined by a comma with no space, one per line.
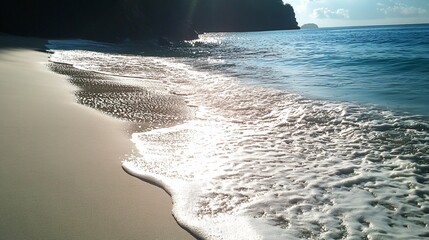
273,135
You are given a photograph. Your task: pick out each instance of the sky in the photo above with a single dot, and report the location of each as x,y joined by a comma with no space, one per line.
336,13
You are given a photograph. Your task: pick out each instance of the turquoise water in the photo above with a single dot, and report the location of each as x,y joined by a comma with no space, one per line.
384,65
320,134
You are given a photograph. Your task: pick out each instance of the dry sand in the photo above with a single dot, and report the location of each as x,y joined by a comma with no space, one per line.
60,162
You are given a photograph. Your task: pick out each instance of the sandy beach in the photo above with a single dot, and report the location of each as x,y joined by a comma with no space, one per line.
61,175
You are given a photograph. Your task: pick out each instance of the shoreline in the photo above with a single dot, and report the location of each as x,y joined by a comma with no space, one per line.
61,175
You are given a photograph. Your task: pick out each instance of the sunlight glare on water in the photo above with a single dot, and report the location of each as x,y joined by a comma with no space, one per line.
248,152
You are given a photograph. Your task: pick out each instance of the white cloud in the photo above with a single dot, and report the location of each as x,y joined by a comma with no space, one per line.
402,10
323,13
327,13
301,6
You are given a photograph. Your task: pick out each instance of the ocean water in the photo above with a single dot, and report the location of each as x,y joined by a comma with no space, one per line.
310,134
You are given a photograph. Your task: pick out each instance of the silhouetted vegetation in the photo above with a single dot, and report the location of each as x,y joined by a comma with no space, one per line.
64,18
244,15
139,19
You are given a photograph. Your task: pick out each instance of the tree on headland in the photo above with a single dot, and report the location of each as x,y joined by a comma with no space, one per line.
58,18
244,15
140,19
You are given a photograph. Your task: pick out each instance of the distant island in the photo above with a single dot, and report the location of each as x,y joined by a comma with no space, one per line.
115,20
309,26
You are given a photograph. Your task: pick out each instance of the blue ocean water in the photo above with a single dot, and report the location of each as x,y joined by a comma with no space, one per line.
310,134
383,65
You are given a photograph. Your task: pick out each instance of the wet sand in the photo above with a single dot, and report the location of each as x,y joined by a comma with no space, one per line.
60,174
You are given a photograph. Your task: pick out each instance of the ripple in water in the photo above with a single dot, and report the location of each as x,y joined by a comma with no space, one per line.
312,169
258,163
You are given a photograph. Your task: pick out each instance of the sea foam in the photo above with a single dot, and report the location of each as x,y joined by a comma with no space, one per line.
254,162
290,167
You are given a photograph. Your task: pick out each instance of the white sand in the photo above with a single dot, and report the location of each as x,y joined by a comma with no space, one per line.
60,162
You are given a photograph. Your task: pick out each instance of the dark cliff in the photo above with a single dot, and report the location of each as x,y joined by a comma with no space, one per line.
114,20
244,15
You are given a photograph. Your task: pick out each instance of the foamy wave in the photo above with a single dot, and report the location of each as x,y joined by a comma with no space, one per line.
307,169
260,163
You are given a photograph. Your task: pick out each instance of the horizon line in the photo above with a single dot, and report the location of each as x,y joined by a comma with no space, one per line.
372,25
